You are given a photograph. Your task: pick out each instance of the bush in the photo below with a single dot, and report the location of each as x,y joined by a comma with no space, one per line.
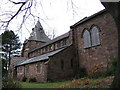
24,79
112,69
81,73
49,80
11,84
32,80
96,71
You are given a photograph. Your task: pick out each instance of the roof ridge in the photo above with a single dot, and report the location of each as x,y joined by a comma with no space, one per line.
87,18
41,57
52,41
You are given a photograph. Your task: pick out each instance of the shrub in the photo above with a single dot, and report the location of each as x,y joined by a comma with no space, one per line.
32,80
81,73
96,71
24,79
11,84
49,80
112,69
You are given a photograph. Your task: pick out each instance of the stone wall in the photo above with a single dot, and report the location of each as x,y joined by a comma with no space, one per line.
98,56
34,44
58,72
55,45
20,75
29,45
32,72
11,71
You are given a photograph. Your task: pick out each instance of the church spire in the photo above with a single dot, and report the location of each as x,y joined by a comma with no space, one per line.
38,33
39,25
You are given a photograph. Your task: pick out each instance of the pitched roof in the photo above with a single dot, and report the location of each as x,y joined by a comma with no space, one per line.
38,33
42,57
60,37
88,18
52,41
17,60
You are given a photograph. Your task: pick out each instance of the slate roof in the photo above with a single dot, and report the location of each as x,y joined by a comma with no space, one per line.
38,33
42,57
88,18
52,41
17,60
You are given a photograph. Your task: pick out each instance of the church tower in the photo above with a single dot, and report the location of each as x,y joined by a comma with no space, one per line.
38,33
36,39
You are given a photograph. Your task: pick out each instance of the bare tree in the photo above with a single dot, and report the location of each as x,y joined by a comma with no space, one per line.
24,9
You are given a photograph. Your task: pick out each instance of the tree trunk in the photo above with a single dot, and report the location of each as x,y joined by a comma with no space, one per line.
114,9
9,61
116,81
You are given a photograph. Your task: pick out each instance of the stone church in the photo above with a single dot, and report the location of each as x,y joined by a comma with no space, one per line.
91,43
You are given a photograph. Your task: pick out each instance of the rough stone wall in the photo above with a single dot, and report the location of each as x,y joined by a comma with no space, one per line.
51,47
98,56
70,38
31,44
20,75
67,43
11,71
32,72
25,50
55,72
34,44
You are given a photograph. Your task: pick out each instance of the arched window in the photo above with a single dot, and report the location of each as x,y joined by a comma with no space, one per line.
86,37
95,36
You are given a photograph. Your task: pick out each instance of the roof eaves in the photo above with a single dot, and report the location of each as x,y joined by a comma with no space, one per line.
43,57
88,18
37,41
29,63
52,41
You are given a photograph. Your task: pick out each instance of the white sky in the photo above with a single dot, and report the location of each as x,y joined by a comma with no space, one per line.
57,15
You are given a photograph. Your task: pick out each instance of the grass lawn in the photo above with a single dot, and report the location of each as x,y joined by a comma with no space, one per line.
75,83
43,85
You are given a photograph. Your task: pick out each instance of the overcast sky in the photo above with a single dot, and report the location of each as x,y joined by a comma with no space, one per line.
57,15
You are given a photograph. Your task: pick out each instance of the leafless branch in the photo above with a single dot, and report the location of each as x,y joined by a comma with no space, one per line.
18,2
16,13
25,16
23,7
73,8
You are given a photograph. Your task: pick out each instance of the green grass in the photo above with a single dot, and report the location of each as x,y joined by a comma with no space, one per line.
43,85
75,83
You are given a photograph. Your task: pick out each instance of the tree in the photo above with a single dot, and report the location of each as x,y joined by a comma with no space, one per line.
114,7
24,10
10,44
23,6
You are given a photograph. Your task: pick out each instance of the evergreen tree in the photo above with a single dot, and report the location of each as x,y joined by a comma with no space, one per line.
10,44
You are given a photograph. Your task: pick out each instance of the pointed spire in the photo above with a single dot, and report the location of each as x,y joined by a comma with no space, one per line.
38,33
38,25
